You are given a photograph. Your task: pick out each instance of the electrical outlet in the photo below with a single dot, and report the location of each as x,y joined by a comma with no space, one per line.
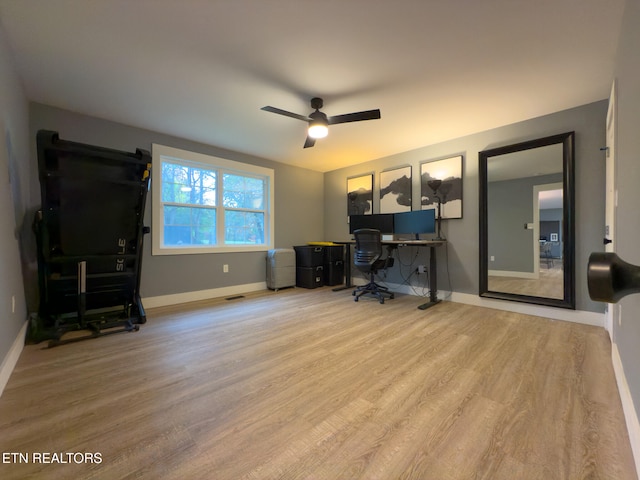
225,268
493,258
421,269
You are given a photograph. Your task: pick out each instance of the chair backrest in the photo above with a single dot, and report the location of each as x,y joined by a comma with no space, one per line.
368,246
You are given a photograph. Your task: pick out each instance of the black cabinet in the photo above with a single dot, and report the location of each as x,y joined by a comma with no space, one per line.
319,265
309,266
333,265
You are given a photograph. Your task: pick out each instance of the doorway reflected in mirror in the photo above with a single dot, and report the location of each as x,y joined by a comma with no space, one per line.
547,276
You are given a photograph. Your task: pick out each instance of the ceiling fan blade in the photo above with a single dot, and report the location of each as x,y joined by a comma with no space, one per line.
355,117
279,111
309,142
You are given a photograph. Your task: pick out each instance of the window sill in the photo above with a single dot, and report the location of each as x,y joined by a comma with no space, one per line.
207,250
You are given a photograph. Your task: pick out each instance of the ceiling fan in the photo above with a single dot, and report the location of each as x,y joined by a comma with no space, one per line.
319,122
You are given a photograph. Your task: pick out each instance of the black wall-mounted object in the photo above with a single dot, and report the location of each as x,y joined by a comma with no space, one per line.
610,278
89,235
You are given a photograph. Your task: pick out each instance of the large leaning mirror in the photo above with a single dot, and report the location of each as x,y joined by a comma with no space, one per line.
527,222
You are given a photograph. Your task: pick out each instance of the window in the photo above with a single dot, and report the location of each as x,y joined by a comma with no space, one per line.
204,204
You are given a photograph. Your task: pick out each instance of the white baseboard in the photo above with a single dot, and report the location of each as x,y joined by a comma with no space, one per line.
578,316
630,414
176,298
568,315
9,362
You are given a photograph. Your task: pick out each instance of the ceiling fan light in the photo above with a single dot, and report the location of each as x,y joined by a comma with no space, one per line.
318,130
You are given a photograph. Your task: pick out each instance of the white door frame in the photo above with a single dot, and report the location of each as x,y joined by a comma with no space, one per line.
611,199
536,222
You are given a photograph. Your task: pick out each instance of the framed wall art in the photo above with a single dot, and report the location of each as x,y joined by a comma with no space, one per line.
441,182
395,190
360,195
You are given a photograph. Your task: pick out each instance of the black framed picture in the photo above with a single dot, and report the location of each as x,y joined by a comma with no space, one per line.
395,190
360,195
442,180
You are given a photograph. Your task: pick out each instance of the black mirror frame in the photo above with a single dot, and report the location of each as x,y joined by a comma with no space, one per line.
568,225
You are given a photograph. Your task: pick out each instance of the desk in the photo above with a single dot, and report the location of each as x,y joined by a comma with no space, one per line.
433,271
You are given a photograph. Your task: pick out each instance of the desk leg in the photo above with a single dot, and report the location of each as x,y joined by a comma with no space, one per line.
433,281
347,270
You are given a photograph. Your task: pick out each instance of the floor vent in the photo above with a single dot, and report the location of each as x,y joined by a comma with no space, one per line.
235,298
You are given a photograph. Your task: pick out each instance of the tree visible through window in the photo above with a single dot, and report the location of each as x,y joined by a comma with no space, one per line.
208,206
189,198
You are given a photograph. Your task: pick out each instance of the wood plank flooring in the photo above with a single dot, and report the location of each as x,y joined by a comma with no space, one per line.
550,283
308,384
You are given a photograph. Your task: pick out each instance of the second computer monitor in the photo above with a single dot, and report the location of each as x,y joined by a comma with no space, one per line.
382,222
414,223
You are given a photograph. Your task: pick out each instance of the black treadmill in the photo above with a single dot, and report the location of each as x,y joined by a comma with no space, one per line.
89,235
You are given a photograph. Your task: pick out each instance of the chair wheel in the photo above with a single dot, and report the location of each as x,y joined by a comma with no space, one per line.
382,300
391,296
355,299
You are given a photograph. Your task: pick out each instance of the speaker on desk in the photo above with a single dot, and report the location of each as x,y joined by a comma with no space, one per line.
610,278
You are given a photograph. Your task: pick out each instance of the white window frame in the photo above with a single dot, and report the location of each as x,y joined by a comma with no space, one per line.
222,166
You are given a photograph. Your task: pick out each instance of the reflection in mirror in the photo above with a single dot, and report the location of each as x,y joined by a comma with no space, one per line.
526,222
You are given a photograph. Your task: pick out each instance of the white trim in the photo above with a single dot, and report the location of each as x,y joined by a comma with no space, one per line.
577,316
536,230
611,208
11,359
536,221
630,414
176,298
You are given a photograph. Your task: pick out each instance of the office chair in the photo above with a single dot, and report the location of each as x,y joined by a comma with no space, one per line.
545,253
368,258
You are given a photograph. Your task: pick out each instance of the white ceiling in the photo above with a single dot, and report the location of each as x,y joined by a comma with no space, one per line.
202,69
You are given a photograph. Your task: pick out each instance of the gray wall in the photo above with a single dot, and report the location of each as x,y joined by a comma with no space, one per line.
627,335
461,273
298,204
14,192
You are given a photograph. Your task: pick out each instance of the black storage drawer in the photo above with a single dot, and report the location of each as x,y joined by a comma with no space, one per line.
333,253
310,277
309,255
334,273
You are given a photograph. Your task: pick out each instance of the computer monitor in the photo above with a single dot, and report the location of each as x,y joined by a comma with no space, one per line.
415,223
381,221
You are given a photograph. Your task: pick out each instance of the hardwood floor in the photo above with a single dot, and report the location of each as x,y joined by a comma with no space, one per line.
550,283
307,384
